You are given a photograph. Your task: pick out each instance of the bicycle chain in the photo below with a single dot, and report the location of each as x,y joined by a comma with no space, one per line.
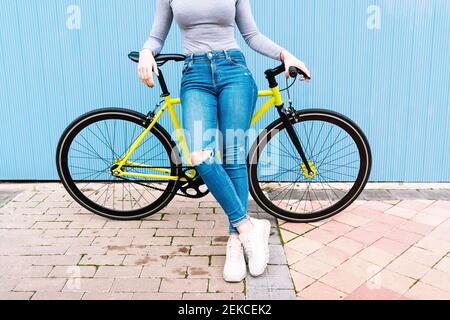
193,183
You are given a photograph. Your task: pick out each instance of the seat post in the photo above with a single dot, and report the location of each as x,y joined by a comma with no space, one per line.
162,83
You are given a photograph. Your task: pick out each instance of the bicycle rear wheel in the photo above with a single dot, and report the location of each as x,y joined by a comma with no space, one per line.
336,149
90,147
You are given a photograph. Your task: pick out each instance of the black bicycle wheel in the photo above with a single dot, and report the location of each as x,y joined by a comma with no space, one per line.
90,147
339,154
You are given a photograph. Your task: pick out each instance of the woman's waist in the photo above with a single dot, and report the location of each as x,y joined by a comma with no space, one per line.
215,54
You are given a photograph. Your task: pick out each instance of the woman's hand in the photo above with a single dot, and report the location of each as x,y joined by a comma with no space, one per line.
147,65
291,61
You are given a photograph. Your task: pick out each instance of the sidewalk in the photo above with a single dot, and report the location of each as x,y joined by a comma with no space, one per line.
380,247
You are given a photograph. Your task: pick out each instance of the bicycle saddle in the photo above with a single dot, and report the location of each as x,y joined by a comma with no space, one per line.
161,59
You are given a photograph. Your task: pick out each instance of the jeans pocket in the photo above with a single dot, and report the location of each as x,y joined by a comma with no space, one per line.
239,62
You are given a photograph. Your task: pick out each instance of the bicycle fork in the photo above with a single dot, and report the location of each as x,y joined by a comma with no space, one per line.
284,115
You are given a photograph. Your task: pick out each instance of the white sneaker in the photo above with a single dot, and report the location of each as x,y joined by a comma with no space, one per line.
256,246
235,269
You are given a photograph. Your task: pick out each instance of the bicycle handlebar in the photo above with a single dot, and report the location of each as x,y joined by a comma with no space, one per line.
294,72
164,58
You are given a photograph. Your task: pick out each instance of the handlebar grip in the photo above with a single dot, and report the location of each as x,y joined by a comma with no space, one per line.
294,72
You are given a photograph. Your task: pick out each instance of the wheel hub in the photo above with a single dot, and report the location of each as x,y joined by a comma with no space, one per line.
309,175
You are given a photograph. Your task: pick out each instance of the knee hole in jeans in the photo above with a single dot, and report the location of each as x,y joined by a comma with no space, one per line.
199,157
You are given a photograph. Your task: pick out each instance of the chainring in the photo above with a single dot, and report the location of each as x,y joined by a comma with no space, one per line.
190,188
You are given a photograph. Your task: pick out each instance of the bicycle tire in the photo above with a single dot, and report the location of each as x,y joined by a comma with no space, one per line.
278,126
97,116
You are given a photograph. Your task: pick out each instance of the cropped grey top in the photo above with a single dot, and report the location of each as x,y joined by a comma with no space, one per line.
209,25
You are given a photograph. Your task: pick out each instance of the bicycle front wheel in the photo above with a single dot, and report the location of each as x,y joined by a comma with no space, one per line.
90,148
338,153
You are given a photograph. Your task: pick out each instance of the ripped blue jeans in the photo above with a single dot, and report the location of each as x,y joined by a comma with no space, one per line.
218,94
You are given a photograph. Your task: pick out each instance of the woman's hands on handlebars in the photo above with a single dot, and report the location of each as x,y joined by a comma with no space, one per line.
291,61
146,67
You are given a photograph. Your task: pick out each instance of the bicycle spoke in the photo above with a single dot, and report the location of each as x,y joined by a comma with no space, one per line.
329,147
94,151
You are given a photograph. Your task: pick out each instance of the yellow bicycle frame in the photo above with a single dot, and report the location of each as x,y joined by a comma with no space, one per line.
275,99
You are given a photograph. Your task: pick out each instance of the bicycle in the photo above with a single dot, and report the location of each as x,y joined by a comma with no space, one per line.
126,177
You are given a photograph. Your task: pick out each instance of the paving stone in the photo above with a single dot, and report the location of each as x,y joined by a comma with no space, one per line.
377,195
301,280
405,194
287,235
305,245
272,295
277,255
408,268
118,272
16,295
93,296
443,265
8,284
394,281
52,296
205,272
164,272
144,260
331,256
184,285
88,285
435,194
321,291
214,296
422,291
367,292
219,285
275,277
187,261
136,285
72,271
40,284
58,250
102,260
157,296
312,267
6,196
437,279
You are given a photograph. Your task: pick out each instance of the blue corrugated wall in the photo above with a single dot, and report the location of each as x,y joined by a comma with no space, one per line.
384,63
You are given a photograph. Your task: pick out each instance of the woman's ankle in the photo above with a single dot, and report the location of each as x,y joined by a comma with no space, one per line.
234,235
245,227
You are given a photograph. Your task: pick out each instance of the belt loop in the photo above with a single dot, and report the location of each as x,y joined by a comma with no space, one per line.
226,54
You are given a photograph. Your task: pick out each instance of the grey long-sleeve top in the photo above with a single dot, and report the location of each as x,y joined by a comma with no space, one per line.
208,25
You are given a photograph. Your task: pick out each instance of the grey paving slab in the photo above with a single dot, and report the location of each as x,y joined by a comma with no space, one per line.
376,195
405,194
6,196
434,194
272,295
276,283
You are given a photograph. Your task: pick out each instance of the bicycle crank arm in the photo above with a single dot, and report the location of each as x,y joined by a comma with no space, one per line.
284,115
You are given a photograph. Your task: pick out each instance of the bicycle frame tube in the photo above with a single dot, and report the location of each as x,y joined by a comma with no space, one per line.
169,105
275,99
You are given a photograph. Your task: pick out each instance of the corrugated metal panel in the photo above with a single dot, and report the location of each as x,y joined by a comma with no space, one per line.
394,82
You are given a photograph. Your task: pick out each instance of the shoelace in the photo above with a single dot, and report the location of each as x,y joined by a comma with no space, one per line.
233,253
250,241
